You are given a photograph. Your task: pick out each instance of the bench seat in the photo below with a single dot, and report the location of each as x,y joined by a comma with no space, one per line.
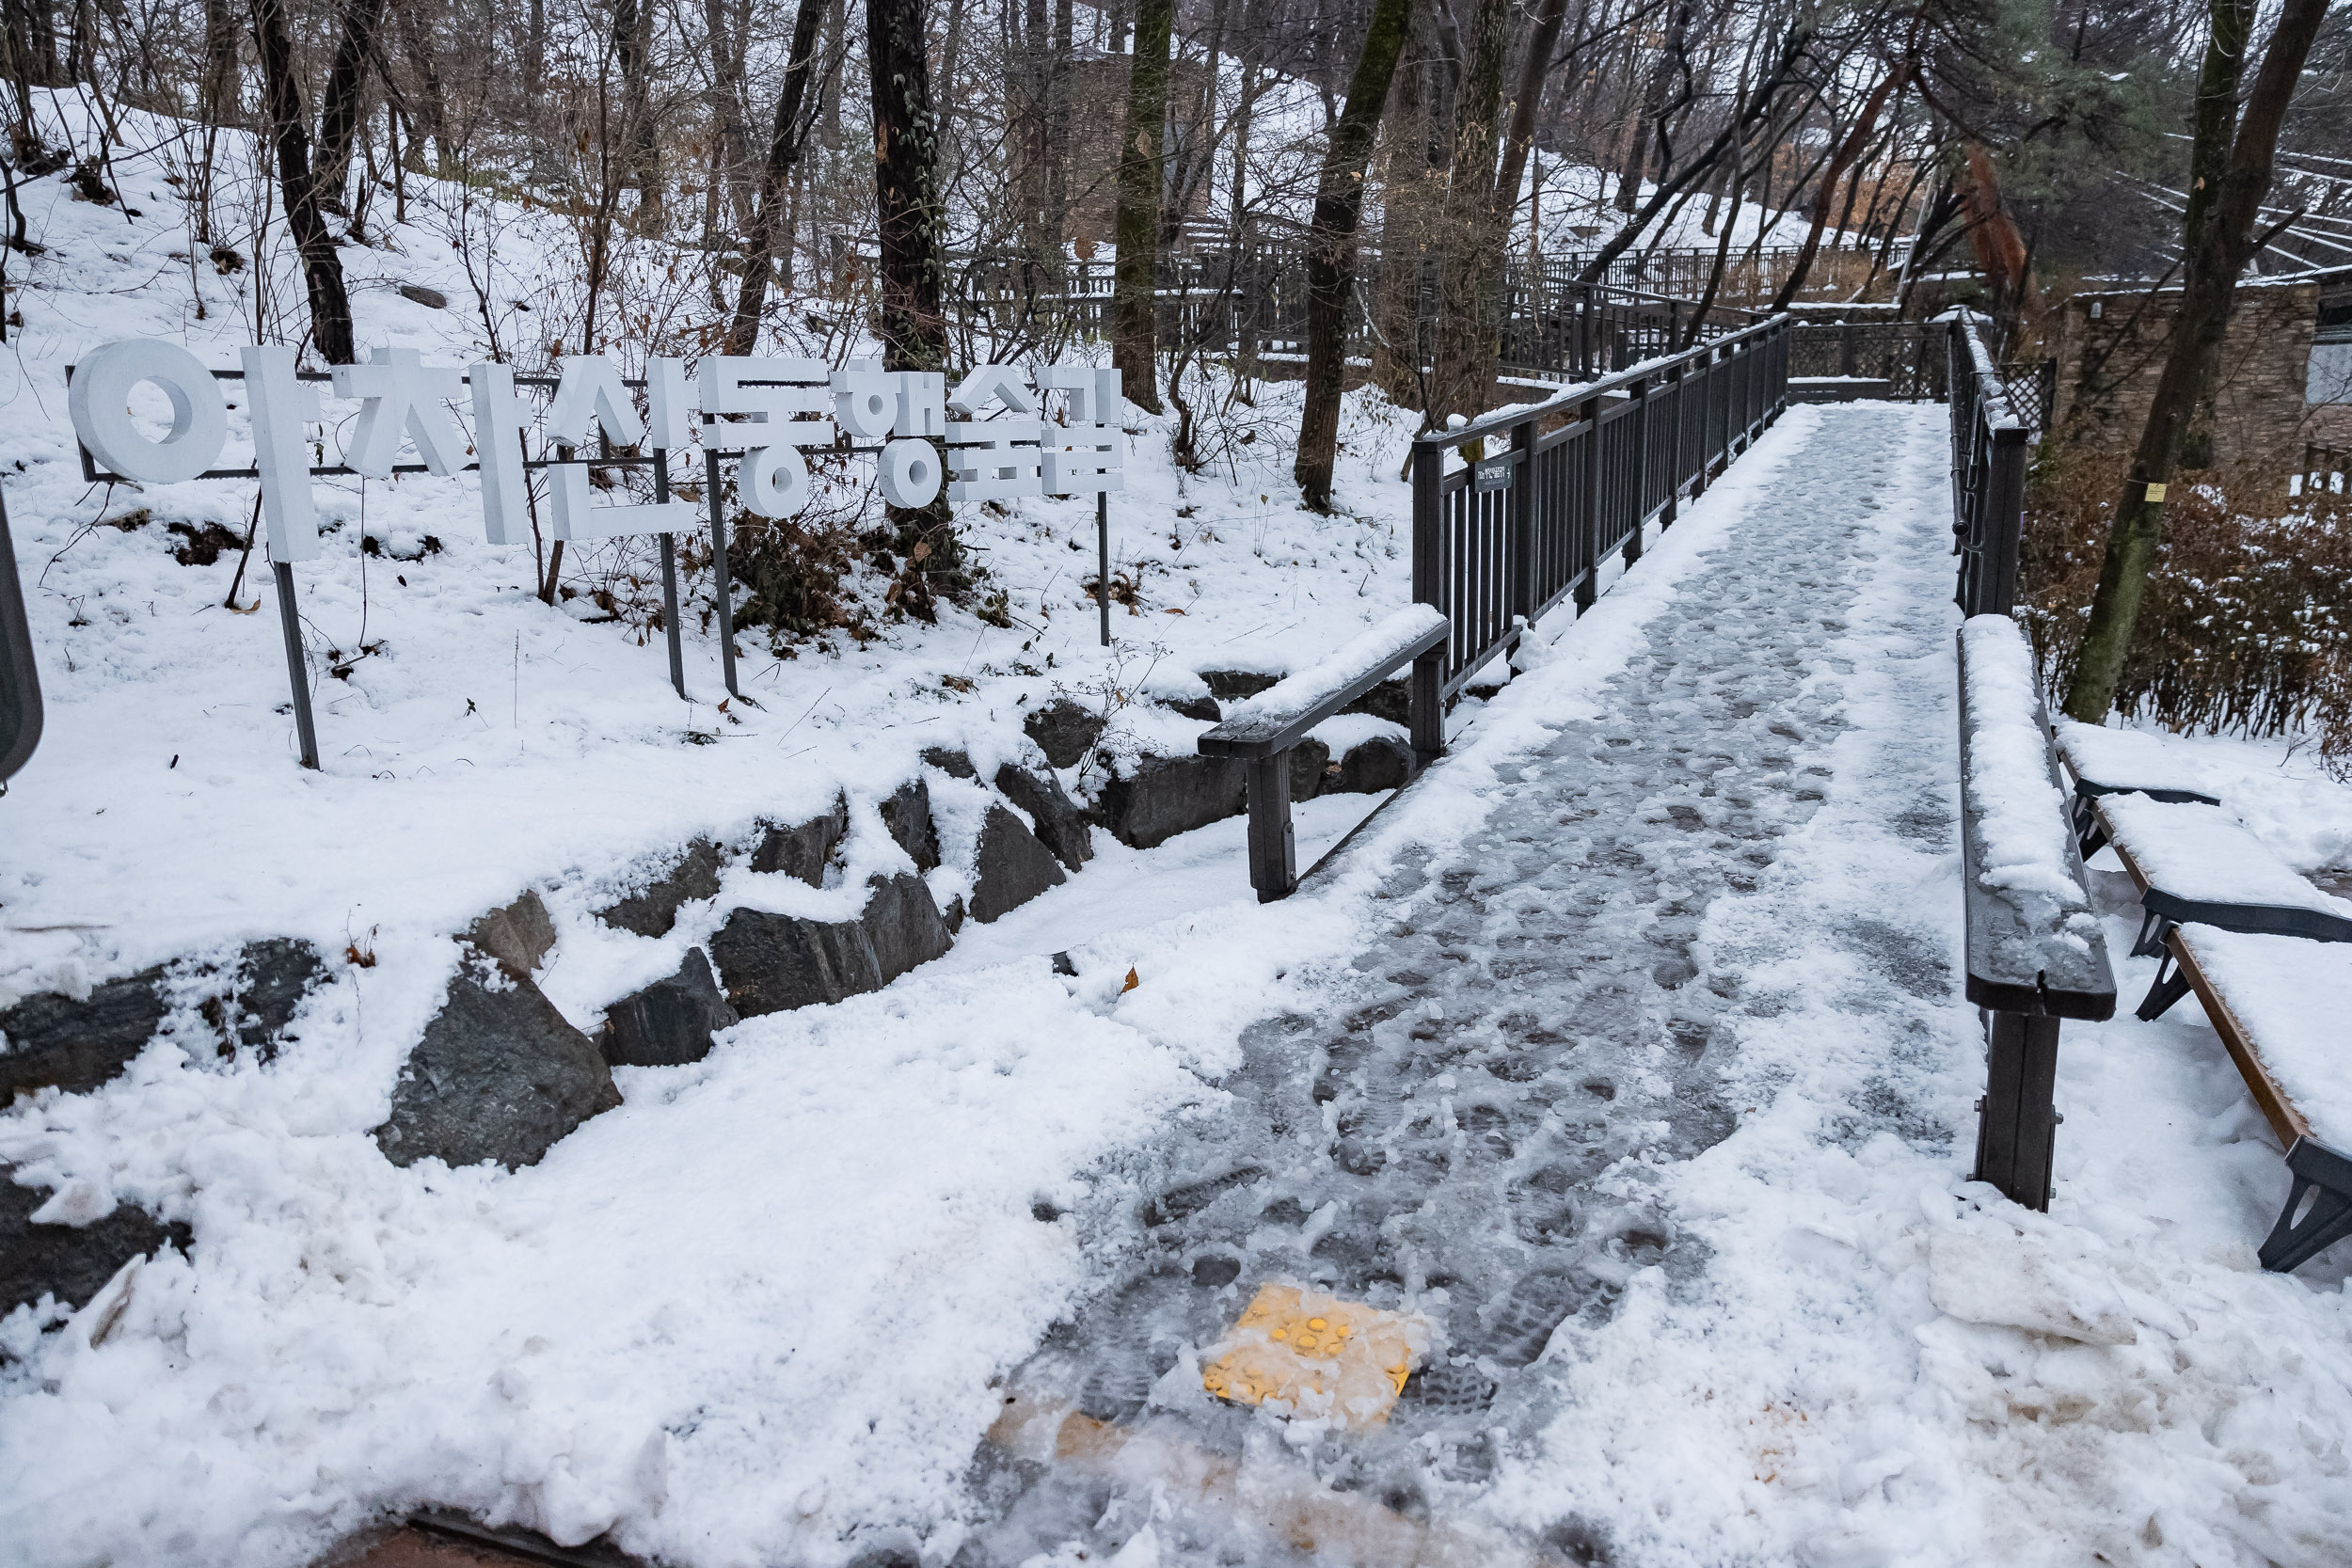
2193,863
2283,1007
2107,762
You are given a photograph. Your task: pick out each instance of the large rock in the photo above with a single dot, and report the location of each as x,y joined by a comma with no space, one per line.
1229,684
770,963
1060,826
908,816
1392,699
903,923
500,1075
1064,731
55,1042
654,911
69,1261
1381,763
955,764
1013,868
1307,760
517,936
805,851
1167,796
1203,707
670,1022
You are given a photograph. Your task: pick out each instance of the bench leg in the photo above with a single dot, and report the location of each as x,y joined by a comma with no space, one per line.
1273,846
2017,1124
2090,837
2172,984
2154,928
2323,1177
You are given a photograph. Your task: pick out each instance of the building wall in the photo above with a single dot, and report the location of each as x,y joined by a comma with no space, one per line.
2109,367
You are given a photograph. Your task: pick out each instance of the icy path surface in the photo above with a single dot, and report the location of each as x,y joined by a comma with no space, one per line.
1647,1095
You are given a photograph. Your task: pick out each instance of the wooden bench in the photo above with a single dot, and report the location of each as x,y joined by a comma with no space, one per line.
2107,762
2035,952
1261,730
2283,1007
2194,865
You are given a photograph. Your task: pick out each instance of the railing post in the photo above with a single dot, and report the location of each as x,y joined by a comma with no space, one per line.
2016,1122
1641,470
2004,526
1588,528
1674,452
1423,709
1519,593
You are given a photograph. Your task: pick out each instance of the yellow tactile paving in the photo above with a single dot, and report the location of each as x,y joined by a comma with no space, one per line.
1316,1356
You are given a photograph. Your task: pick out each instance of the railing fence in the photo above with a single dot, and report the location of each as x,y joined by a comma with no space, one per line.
1989,450
1541,495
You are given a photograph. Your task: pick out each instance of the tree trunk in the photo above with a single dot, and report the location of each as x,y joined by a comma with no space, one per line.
1469,248
733,155
1823,198
1534,67
419,37
775,181
908,319
835,43
322,269
2224,67
1137,226
1331,245
2225,242
632,42
2000,248
341,110
1057,131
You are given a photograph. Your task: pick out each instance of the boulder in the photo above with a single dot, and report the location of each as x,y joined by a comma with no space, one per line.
805,851
1060,826
654,911
1167,796
261,991
1203,708
903,923
71,1262
770,963
953,915
517,936
956,764
1391,700
1013,868
1064,731
670,1022
499,1075
55,1042
1229,685
1382,763
1307,760
908,816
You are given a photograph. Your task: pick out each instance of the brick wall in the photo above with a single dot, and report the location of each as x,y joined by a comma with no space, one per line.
2109,367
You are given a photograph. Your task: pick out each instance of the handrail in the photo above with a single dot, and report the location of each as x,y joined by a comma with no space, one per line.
1615,382
1988,444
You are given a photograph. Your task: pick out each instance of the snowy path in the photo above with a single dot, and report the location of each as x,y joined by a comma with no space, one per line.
1715,912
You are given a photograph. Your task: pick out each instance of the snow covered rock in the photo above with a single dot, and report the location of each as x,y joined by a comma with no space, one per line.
1064,730
2011,1280
1309,759
772,964
1156,798
1060,826
517,936
670,1022
53,1041
908,816
805,851
1014,867
654,911
499,1075
955,764
56,1255
1372,766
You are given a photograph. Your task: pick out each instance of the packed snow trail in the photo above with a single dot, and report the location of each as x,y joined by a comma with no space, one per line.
1491,1118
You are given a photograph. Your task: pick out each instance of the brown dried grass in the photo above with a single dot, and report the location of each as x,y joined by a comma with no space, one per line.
2246,624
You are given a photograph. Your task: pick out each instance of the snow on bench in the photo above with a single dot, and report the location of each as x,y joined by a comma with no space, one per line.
1262,730
2283,1007
2193,863
2035,952
2123,762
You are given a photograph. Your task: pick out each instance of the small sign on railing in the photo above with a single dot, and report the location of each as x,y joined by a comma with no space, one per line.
1491,473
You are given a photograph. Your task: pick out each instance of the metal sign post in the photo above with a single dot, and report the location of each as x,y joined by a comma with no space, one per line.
1103,573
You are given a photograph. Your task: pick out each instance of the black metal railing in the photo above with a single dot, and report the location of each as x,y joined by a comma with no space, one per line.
2323,473
1909,357
1515,511
1989,443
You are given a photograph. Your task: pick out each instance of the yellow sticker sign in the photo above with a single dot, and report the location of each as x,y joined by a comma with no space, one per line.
1314,1355
2155,493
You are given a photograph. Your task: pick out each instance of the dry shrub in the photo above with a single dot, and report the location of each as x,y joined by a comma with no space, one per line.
2246,624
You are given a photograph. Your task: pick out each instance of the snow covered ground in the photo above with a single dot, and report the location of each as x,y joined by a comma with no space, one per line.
769,1309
